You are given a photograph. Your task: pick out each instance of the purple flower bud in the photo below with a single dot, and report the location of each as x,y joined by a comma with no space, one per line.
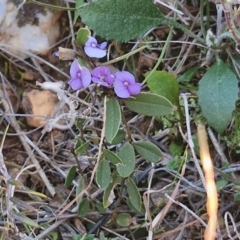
102,76
80,76
93,49
125,85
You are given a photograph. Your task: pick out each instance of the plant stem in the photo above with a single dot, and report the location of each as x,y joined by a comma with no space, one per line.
161,55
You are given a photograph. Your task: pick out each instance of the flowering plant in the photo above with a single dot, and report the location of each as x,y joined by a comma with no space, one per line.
123,82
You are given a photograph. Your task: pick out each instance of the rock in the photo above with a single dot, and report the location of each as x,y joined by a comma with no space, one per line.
31,28
39,103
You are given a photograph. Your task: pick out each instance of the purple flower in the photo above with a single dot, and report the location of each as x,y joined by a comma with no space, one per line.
102,76
93,49
56,54
80,76
125,85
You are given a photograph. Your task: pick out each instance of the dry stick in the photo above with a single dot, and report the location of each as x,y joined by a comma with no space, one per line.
16,127
96,166
189,139
9,187
212,198
50,229
158,219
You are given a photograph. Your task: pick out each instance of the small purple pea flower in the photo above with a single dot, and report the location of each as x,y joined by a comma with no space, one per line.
125,85
56,54
102,76
80,76
93,49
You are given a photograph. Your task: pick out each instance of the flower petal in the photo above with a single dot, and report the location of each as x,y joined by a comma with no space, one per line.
102,46
86,77
94,52
125,76
90,42
75,84
110,79
100,71
99,82
120,89
56,54
135,88
74,69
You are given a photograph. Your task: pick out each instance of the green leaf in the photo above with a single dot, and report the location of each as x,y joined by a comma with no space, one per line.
81,186
164,84
120,136
176,149
82,35
141,211
113,119
187,76
107,198
218,92
77,5
134,194
124,219
71,175
150,104
109,155
81,148
25,220
133,17
221,184
148,150
127,155
100,208
237,196
83,207
80,122
103,174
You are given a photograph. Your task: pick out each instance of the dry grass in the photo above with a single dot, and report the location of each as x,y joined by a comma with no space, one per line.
34,163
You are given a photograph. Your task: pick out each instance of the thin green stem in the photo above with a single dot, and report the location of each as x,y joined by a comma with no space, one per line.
161,55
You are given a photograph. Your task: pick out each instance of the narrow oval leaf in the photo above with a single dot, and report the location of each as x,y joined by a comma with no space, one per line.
113,119
133,193
134,17
150,104
120,136
188,75
82,148
77,5
164,84
142,210
124,219
108,195
25,220
83,207
71,175
218,92
82,35
127,155
103,174
148,150
109,155
80,187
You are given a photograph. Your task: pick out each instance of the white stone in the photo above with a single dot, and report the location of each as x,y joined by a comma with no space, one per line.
20,40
